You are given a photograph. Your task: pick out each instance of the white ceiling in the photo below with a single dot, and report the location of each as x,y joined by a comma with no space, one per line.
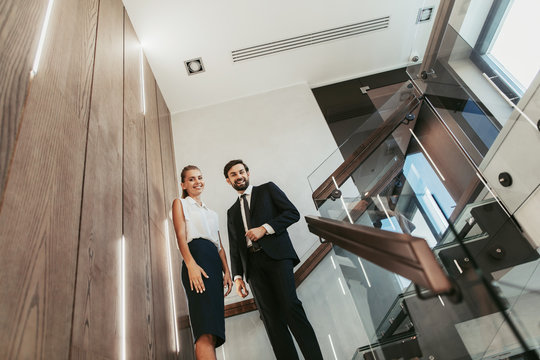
173,31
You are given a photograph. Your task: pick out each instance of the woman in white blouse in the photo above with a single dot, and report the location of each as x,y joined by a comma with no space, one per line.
205,272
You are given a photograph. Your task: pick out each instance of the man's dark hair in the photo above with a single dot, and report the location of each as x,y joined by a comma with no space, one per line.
230,164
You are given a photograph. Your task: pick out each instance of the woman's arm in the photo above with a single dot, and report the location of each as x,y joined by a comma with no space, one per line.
227,282
194,270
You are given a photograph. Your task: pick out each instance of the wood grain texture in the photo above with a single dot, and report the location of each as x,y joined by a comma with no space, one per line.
20,26
164,327
140,327
405,255
240,307
170,185
96,307
40,216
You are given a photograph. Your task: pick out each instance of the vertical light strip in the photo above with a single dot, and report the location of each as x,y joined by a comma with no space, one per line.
223,351
386,212
427,154
458,267
364,271
333,263
171,286
508,101
332,345
123,299
42,36
342,201
441,300
372,352
143,95
341,284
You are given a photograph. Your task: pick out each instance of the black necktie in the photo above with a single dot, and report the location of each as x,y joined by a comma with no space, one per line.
246,210
255,244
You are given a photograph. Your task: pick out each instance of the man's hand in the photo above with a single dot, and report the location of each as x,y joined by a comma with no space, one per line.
256,233
241,289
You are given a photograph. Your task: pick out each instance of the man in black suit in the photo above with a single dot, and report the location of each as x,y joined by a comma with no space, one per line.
261,250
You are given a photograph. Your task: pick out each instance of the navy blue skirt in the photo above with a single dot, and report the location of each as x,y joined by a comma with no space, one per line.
207,309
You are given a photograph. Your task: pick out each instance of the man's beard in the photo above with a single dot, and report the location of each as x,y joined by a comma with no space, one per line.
242,187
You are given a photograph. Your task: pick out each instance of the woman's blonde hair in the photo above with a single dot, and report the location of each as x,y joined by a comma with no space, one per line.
183,177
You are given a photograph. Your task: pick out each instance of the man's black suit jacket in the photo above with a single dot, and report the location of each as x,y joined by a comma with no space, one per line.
269,205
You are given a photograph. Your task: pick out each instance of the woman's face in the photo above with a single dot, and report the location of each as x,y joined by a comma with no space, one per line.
193,183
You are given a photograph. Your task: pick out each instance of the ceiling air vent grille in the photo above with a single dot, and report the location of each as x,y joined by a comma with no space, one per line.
311,39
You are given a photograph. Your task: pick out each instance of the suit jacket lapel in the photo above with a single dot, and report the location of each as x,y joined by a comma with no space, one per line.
253,202
238,223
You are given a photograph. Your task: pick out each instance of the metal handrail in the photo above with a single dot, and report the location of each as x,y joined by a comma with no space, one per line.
403,254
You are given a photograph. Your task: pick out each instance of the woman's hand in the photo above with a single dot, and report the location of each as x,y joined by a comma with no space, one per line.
227,283
195,277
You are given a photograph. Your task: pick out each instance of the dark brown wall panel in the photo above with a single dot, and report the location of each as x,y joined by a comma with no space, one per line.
40,216
164,332
19,33
96,312
453,165
139,336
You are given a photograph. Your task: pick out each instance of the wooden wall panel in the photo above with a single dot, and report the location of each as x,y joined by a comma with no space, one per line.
139,336
96,312
444,152
40,215
20,28
164,332
170,184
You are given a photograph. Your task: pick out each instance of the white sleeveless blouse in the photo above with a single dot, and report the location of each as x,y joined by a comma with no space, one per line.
201,222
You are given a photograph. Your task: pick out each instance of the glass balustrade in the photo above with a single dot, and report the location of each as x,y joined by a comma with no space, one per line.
419,182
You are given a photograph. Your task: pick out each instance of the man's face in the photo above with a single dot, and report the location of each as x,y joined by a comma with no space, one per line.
238,177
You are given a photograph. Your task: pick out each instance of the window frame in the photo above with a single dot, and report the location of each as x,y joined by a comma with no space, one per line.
479,56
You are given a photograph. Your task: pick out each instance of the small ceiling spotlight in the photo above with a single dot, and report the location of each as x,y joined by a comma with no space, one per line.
194,66
424,14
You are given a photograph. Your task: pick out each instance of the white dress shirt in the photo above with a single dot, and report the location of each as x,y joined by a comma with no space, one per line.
269,229
201,222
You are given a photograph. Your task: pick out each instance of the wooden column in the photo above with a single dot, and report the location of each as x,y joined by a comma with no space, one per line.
40,215
20,28
139,310
164,327
170,185
87,169
97,308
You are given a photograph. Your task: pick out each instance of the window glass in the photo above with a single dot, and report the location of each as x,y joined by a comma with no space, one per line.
515,45
427,186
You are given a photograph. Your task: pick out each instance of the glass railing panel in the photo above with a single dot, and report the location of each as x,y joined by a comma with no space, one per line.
360,135
455,86
332,310
475,99
407,187
357,305
520,287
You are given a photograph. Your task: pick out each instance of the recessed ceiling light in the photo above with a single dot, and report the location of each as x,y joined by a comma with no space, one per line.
194,66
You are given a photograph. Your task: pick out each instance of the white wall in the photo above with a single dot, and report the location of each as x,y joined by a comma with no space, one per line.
281,135
516,151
